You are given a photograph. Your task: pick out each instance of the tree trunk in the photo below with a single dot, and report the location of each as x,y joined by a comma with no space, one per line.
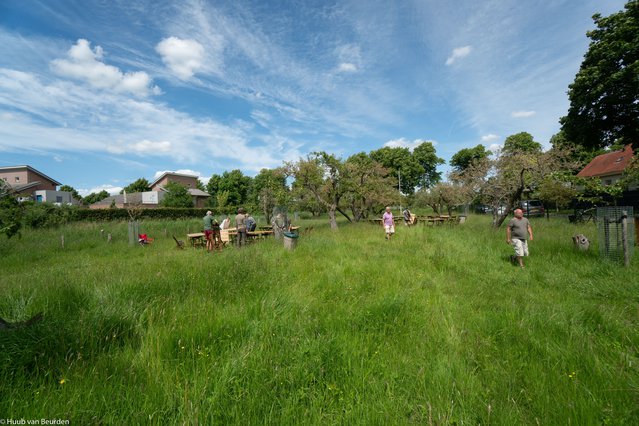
331,217
344,214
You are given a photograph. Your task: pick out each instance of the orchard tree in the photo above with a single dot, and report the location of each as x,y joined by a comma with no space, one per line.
519,168
177,195
324,176
443,195
140,185
604,98
370,186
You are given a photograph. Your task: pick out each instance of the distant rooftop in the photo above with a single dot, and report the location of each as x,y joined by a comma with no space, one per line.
31,169
610,163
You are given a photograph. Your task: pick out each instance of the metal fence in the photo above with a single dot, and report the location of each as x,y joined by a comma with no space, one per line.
616,230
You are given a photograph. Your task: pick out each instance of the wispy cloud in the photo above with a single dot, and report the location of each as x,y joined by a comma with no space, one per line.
522,114
114,123
458,53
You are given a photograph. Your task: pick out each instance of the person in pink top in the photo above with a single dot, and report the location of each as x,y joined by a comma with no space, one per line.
388,223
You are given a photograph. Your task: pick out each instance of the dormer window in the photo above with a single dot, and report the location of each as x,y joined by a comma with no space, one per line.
619,160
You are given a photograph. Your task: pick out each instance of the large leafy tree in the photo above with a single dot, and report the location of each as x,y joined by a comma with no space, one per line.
140,185
269,189
177,196
94,197
401,164
604,98
234,182
521,143
425,155
465,157
370,186
11,211
72,190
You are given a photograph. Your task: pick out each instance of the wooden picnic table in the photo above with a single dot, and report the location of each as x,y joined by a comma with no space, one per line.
196,239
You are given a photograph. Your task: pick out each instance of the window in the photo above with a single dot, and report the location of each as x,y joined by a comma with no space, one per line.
58,198
608,182
17,178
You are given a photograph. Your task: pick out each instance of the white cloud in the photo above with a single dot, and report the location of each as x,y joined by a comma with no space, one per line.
404,143
522,114
183,57
495,147
111,189
489,137
149,147
180,171
458,53
85,64
347,67
110,122
349,58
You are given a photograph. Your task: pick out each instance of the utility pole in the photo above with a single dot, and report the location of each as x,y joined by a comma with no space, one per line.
399,189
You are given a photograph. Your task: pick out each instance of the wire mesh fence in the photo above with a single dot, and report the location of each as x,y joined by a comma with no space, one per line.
615,226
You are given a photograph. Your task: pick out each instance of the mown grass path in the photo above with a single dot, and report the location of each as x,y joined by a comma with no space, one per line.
435,326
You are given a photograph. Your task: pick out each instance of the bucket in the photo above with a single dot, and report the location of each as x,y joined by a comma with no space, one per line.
290,240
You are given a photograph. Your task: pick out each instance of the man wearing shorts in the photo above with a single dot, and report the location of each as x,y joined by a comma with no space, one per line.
388,223
517,233
208,229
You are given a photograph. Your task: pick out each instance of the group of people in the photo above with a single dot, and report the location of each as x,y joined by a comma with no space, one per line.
244,223
518,232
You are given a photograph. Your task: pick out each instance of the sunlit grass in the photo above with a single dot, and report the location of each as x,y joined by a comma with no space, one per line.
435,326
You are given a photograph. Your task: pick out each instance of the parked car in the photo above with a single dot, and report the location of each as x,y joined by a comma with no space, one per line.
483,209
532,208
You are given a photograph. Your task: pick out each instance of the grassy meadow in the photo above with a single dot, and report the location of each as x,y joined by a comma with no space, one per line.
433,327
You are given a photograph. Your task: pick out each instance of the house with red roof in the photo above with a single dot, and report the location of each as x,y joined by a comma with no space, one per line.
609,167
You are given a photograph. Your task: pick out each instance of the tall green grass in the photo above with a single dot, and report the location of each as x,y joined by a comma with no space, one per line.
435,326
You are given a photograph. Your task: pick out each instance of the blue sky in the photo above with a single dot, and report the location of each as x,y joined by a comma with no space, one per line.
99,93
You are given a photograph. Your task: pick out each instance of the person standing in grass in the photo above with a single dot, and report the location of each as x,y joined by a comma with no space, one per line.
388,223
240,224
408,217
517,233
208,229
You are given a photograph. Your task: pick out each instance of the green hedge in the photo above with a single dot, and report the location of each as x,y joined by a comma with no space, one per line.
43,215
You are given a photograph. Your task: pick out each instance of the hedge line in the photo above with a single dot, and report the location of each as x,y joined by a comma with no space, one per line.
159,213
43,215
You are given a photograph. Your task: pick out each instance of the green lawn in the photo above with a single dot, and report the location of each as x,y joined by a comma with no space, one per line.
435,326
